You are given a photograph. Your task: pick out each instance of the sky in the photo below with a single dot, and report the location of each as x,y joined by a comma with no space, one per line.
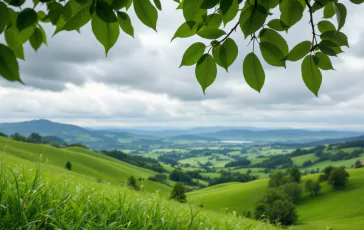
139,83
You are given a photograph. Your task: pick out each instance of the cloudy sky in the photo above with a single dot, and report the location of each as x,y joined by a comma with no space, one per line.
140,84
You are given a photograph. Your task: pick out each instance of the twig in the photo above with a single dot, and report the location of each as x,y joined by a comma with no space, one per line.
314,40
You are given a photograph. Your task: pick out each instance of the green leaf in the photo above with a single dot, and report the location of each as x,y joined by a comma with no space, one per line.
228,53
357,1
36,39
158,4
15,2
216,54
252,19
311,75
253,72
271,36
329,10
55,11
206,71
323,61
105,12
184,31
229,9
76,16
272,54
341,12
193,54
4,16
11,34
292,12
146,12
9,68
336,37
191,10
277,24
327,47
118,4
25,34
213,21
211,33
125,23
107,33
324,26
43,34
208,4
26,18
299,51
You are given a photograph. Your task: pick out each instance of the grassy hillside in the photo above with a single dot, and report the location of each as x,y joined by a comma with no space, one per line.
338,209
56,198
86,162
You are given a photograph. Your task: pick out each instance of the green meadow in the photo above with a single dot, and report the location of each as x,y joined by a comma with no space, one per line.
342,209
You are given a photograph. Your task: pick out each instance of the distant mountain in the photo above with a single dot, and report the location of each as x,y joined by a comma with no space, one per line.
193,138
321,142
69,133
284,135
53,139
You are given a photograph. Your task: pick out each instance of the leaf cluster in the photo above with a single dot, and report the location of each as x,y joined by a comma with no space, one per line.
213,20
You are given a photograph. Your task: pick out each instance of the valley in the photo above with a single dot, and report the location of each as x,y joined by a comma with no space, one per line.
228,177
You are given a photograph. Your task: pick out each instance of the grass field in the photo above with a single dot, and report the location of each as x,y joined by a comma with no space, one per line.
85,162
301,159
338,209
56,198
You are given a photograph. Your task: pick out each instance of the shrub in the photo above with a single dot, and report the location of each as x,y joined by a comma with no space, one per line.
338,178
68,165
132,183
312,187
179,193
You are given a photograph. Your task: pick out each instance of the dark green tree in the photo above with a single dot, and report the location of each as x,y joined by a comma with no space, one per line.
68,165
277,179
132,183
338,178
179,193
276,206
18,137
34,138
3,135
293,190
312,187
326,173
358,164
294,174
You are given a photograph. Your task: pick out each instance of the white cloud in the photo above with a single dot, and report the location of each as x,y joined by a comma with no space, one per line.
139,83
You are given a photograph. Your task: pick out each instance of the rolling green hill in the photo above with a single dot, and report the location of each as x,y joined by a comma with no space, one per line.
61,199
86,162
339,209
69,133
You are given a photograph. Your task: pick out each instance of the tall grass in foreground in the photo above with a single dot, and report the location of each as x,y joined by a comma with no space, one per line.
28,200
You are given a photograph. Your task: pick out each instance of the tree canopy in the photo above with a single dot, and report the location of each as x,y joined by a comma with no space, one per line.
213,20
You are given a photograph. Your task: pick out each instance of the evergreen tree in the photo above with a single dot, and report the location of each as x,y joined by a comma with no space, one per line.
178,193
68,165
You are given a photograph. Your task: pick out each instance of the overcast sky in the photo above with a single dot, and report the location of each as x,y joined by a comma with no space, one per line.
140,84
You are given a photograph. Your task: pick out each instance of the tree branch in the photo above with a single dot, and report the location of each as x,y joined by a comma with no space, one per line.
314,40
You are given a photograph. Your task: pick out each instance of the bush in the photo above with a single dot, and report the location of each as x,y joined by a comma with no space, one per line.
3,135
338,178
276,206
294,174
132,183
68,165
312,187
179,193
293,190
277,179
